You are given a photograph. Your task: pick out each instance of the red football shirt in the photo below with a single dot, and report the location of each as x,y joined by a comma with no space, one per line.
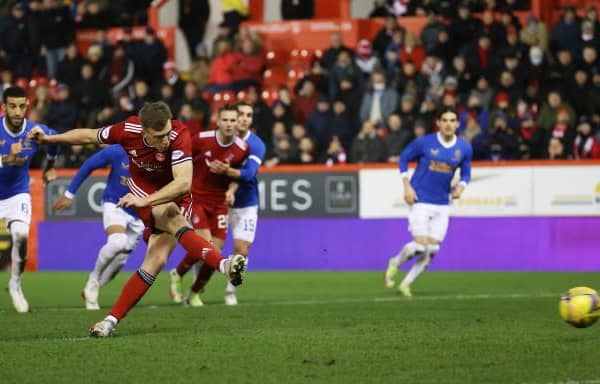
207,187
150,169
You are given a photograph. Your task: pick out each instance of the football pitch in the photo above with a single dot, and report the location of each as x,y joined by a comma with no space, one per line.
307,327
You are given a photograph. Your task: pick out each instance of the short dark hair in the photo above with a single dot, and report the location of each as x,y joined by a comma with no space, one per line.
447,110
154,115
227,107
13,92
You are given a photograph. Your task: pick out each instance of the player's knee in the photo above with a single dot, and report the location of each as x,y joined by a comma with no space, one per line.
432,249
19,231
117,241
418,247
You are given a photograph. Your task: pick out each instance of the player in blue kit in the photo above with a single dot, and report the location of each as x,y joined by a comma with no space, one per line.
244,214
121,224
428,193
16,151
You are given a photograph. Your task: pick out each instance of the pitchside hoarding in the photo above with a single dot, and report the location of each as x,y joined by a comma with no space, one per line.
281,195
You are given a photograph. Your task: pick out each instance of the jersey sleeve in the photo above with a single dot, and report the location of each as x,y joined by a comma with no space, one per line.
100,159
465,166
254,161
181,147
111,134
411,152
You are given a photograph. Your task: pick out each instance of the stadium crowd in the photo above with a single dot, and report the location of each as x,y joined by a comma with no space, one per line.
527,91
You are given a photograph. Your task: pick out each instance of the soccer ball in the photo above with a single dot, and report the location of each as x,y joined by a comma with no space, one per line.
580,307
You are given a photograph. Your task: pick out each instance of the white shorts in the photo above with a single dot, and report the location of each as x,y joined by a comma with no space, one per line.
16,208
242,222
113,215
428,220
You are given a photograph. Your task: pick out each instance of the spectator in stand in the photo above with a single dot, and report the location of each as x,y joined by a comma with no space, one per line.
397,137
247,66
408,110
351,96
6,80
512,44
193,17
474,109
18,43
283,113
465,28
509,85
121,70
578,89
588,36
586,145
590,59
511,63
594,99
200,108
220,76
505,143
565,33
91,95
411,51
298,132
153,55
494,29
483,91
331,54
430,32
503,107
465,77
379,102
368,147
305,101
335,154
365,60
532,137
307,151
477,137
297,9
75,155
410,81
380,9
444,48
344,68
234,12
63,112
563,129
263,117
200,69
40,103
125,108
100,63
93,14
420,128
56,31
548,114
190,118
167,94
344,124
433,70
69,69
556,150
171,77
317,74
319,122
535,33
384,36
483,57
141,94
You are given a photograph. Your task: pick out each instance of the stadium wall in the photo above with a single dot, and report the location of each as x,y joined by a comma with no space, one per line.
529,217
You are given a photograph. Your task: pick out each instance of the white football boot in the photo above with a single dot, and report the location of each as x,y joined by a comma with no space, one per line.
104,328
90,294
18,298
230,298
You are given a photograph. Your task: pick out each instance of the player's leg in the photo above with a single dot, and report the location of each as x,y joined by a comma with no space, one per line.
418,222
168,218
202,278
437,231
18,218
115,226
160,247
243,223
135,228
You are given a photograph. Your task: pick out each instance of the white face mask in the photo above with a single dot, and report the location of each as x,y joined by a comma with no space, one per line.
535,60
378,86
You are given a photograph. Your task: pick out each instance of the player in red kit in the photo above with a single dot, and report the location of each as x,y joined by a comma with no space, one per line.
213,195
159,151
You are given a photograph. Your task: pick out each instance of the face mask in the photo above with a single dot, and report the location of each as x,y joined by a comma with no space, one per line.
379,87
535,60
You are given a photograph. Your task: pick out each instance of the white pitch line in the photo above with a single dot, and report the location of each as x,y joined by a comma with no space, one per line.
391,298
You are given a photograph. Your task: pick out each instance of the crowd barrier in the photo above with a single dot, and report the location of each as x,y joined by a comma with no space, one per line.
513,216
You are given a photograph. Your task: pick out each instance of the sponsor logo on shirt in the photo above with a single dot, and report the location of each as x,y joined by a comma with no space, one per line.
440,166
176,155
133,153
160,156
207,154
2,142
435,151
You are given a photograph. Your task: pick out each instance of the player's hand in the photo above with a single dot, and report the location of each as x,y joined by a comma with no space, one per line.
38,135
218,167
457,191
48,176
229,198
130,200
61,204
410,196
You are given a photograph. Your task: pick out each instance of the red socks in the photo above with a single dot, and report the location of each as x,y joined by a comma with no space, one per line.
135,288
198,248
203,277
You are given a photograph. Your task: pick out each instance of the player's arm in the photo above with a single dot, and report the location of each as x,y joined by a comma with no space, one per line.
465,175
98,160
49,173
230,193
179,186
248,170
74,136
411,152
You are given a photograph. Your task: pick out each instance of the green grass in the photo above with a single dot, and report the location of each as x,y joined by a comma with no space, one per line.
307,327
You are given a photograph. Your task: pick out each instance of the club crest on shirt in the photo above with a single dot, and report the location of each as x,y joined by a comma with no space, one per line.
207,154
457,155
434,151
229,157
160,156
124,165
2,142
133,153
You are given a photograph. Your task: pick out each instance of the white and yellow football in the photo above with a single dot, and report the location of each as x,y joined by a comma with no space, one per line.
580,307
